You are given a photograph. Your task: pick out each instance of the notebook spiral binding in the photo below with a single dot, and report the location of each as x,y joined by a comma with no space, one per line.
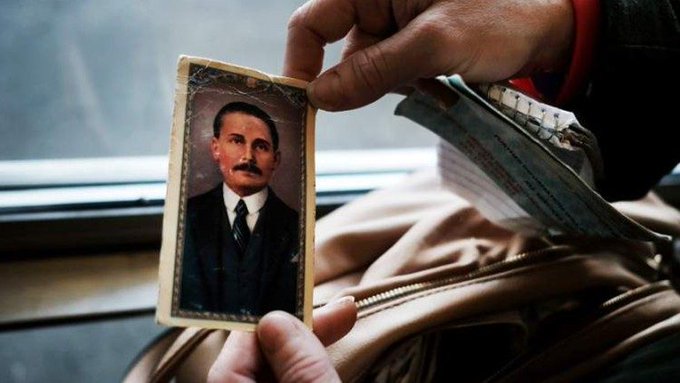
557,127
543,121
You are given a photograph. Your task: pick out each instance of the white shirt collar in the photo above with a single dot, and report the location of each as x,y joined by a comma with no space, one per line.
254,202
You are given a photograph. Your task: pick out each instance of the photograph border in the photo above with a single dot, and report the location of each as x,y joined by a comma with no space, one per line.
168,311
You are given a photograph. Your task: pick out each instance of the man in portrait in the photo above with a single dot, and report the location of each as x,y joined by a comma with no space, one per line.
241,241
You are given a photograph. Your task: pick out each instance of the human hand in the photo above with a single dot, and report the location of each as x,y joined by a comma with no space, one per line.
391,43
283,349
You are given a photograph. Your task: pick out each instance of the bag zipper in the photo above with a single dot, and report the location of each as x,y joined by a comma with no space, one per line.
518,260
419,287
630,296
511,262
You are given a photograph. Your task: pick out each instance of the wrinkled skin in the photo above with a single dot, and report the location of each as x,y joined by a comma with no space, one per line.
392,43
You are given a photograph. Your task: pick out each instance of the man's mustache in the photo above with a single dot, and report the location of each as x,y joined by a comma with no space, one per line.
248,167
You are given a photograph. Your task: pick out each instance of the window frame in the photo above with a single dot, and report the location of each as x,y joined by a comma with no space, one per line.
94,204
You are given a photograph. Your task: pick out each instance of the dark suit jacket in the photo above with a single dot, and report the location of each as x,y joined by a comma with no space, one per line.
215,279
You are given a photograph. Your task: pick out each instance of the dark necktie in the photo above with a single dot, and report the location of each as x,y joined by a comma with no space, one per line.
240,230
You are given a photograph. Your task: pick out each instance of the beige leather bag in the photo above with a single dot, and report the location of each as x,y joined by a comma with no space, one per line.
442,293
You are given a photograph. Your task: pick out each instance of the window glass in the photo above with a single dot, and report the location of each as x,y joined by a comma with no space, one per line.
83,78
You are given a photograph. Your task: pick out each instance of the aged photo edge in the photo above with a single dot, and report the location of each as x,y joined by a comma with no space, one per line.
296,83
168,258
166,267
310,214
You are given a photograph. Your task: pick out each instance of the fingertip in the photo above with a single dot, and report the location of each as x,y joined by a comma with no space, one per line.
293,352
335,320
344,307
342,301
326,91
353,83
275,329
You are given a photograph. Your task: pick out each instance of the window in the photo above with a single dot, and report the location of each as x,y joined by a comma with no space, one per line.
91,79
85,118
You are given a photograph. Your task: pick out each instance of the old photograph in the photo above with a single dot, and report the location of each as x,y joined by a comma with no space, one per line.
239,215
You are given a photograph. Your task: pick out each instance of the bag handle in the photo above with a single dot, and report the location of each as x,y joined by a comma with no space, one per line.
159,362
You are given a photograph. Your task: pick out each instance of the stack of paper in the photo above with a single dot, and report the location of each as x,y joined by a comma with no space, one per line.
519,162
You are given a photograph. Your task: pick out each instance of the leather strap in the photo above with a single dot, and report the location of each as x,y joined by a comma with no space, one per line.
141,368
178,352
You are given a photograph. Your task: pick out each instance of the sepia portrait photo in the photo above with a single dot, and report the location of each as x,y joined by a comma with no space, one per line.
239,215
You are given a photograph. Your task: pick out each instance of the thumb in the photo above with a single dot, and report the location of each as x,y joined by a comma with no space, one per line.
376,70
292,350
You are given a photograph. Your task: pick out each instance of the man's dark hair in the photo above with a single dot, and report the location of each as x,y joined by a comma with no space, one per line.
243,107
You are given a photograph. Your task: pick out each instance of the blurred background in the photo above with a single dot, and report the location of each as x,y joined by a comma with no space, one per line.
83,78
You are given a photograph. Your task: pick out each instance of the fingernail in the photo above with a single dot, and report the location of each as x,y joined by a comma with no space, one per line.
325,90
348,299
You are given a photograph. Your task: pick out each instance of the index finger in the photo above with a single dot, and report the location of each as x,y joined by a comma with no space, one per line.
310,28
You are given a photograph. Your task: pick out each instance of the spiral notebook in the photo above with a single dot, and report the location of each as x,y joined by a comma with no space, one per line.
525,165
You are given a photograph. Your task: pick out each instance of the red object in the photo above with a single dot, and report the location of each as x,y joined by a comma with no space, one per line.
586,20
526,85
